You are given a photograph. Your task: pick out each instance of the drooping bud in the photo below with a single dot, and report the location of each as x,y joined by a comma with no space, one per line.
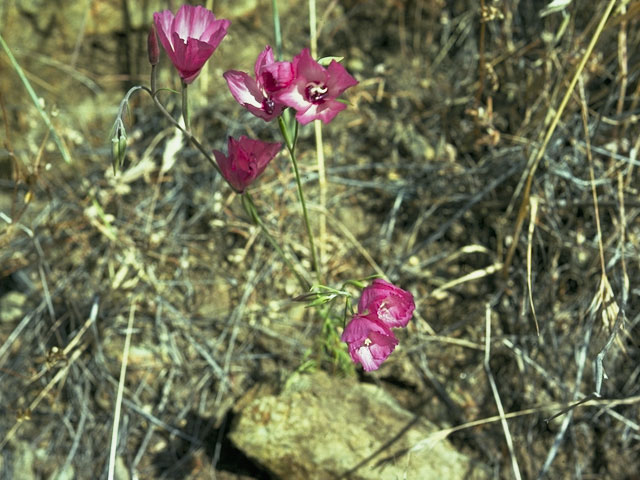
152,46
118,145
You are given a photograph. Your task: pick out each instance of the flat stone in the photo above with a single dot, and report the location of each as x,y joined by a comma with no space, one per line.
326,427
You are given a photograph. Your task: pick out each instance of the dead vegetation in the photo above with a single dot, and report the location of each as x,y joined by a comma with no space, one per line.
487,164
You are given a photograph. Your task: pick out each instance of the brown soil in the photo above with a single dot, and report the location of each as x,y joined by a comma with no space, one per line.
432,178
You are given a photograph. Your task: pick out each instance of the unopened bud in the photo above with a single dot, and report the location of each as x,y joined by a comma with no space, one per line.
118,145
152,46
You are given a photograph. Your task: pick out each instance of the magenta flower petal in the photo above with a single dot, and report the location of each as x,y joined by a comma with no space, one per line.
324,112
216,31
163,21
392,305
188,56
276,76
294,97
189,38
314,91
256,94
339,79
192,22
264,59
244,89
370,342
308,69
246,160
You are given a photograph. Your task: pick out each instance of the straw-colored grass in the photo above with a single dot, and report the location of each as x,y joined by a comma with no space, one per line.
488,163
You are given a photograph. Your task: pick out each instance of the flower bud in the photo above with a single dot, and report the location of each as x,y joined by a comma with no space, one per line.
152,46
247,159
118,145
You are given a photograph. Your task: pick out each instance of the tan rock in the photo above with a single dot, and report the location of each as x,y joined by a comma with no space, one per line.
327,427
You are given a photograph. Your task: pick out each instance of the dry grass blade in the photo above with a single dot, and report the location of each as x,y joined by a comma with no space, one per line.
15,334
44,392
535,160
532,223
611,312
459,105
118,404
344,230
36,102
581,360
604,298
496,394
621,242
623,59
470,277
444,433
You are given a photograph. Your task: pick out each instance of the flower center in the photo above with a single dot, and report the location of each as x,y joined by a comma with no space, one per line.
315,92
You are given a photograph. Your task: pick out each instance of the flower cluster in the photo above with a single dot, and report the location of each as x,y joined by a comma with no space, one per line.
190,38
368,334
312,88
303,84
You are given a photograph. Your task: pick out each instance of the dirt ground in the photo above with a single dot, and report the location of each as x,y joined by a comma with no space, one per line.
486,163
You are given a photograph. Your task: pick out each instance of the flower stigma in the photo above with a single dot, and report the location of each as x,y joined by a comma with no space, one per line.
315,92
268,105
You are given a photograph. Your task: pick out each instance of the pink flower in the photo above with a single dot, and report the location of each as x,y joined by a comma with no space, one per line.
256,95
315,89
370,342
246,161
392,305
190,37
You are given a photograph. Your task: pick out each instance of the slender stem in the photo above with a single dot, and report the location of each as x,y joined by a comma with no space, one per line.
154,95
153,79
322,183
250,208
317,125
185,108
284,129
313,33
276,29
296,125
291,147
481,63
125,101
194,141
120,394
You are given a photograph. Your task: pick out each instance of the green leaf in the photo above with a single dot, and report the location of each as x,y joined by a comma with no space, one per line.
325,61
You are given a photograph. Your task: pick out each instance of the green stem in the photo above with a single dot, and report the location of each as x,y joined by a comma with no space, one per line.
291,143
250,208
185,108
153,79
276,29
